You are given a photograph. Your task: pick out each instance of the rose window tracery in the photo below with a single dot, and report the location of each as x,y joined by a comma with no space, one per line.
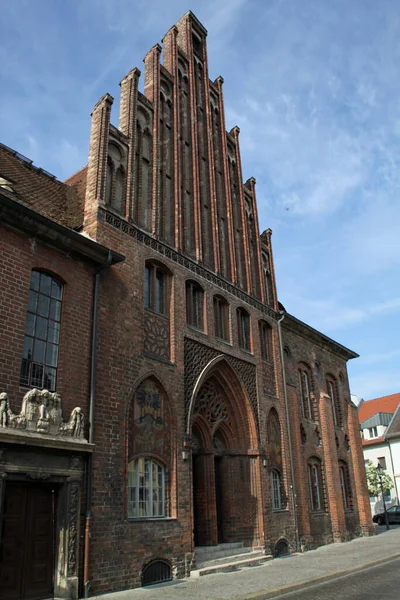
210,404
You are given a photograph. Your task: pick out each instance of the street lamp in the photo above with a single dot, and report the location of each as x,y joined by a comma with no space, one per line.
380,476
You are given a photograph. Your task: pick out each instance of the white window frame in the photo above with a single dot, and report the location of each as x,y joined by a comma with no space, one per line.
374,433
146,500
276,490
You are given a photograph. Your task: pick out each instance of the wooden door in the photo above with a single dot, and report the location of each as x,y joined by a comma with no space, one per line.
219,498
27,542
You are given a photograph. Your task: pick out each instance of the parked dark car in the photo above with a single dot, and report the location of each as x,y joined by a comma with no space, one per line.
393,515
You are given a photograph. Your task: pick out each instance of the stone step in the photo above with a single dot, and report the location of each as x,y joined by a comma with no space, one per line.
233,565
229,558
216,554
199,550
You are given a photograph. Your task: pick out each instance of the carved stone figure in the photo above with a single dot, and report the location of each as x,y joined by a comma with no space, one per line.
55,411
43,422
74,427
41,412
4,410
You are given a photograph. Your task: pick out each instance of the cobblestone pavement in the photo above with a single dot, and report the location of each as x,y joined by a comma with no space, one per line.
275,576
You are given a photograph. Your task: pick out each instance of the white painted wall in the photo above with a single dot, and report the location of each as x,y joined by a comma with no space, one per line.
373,453
395,449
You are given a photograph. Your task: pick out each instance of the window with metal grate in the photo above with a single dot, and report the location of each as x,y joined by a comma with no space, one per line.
156,572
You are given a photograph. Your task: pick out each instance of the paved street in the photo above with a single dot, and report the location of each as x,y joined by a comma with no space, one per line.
280,575
381,581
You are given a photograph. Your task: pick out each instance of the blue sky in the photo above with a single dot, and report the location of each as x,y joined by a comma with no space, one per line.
314,86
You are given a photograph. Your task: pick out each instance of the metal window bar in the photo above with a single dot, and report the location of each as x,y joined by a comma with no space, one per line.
156,572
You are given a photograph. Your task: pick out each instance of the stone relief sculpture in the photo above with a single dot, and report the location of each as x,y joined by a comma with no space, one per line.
41,412
74,427
5,410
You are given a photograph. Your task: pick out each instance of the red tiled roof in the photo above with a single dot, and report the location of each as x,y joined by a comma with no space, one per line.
385,404
62,202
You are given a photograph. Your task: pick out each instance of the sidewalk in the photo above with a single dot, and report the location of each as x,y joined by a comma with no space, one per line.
275,576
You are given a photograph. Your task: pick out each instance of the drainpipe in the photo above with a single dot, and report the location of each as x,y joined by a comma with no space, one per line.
294,495
93,365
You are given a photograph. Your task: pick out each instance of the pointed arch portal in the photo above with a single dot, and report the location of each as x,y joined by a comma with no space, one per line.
225,459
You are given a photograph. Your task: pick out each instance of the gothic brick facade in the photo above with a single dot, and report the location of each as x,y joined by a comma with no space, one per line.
212,415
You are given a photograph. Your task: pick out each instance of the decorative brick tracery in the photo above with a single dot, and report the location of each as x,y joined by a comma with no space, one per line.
198,356
211,405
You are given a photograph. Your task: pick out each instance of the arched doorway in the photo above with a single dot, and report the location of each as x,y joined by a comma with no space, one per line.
225,462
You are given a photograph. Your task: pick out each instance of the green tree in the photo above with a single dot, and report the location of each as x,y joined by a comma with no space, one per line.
374,486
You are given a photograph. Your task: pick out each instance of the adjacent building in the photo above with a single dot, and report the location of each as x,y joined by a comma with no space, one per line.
157,399
380,425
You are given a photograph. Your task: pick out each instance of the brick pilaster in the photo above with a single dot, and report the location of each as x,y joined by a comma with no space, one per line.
266,238
258,268
246,266
211,160
170,47
360,477
97,162
231,240
195,155
152,93
332,477
127,124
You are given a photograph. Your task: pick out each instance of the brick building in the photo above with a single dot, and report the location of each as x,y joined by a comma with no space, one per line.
196,410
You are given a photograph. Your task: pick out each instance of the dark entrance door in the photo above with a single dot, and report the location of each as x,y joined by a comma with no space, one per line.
27,542
195,500
218,497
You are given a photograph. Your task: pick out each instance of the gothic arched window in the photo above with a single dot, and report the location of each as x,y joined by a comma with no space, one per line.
118,202
332,389
221,318
276,485
305,392
266,267
115,179
344,474
194,304
314,469
156,288
265,340
243,324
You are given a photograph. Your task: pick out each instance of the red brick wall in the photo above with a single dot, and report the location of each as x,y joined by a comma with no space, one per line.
121,547
320,438
20,254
